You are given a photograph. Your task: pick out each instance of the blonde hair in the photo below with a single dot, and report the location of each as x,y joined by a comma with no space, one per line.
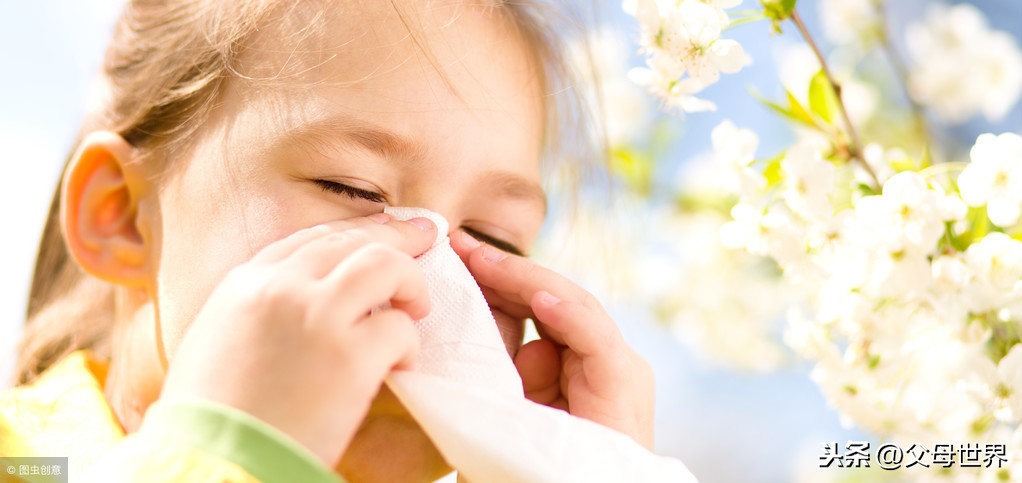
165,68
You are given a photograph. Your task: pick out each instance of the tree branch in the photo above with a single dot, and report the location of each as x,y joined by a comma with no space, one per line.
901,76
855,148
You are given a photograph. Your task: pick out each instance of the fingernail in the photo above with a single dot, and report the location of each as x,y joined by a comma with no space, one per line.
547,298
468,241
380,218
424,224
491,254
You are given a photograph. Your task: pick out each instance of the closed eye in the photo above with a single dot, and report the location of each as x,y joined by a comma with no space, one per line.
496,242
360,194
349,191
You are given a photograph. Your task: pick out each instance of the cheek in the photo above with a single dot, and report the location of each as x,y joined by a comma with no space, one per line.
206,232
511,330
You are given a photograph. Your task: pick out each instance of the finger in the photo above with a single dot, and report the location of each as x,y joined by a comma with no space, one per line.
498,301
585,330
508,302
571,366
413,236
595,349
372,276
539,364
387,340
463,244
319,256
579,321
518,278
281,248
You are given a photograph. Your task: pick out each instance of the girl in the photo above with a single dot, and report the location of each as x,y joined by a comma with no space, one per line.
226,210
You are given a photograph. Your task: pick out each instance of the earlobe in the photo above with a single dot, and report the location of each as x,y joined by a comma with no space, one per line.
99,210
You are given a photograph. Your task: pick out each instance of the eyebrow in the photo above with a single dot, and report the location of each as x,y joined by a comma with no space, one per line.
322,135
513,186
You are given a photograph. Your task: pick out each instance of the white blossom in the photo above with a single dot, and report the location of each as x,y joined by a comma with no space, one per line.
806,336
684,48
929,344
908,215
996,265
999,385
734,150
846,21
724,304
1012,469
764,231
675,93
879,160
994,177
900,295
962,67
950,273
890,295
951,279
808,179
901,272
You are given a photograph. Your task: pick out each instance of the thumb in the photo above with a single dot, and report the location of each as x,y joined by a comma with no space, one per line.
539,364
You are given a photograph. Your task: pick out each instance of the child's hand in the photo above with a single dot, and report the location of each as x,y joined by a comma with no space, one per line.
288,338
581,364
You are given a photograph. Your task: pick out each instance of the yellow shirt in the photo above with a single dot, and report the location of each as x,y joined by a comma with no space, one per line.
64,413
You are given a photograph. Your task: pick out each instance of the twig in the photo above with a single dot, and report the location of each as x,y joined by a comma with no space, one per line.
855,150
738,21
942,168
901,76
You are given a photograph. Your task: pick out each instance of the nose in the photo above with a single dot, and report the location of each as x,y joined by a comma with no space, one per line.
452,216
409,212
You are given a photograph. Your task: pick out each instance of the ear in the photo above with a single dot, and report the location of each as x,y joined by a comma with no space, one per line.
99,210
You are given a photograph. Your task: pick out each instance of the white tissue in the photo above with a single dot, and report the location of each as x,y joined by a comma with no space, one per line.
459,341
465,393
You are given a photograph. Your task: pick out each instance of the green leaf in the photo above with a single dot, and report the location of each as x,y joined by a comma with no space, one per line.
822,99
778,10
866,189
702,202
958,243
903,164
772,173
634,167
979,226
799,111
927,157
794,111
980,222
980,425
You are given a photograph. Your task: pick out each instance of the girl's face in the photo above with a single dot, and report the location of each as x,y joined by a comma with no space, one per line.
365,121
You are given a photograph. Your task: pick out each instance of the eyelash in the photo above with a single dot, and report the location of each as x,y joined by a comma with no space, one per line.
350,192
360,194
496,242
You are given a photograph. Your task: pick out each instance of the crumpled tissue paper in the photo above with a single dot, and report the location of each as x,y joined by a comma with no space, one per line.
466,394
